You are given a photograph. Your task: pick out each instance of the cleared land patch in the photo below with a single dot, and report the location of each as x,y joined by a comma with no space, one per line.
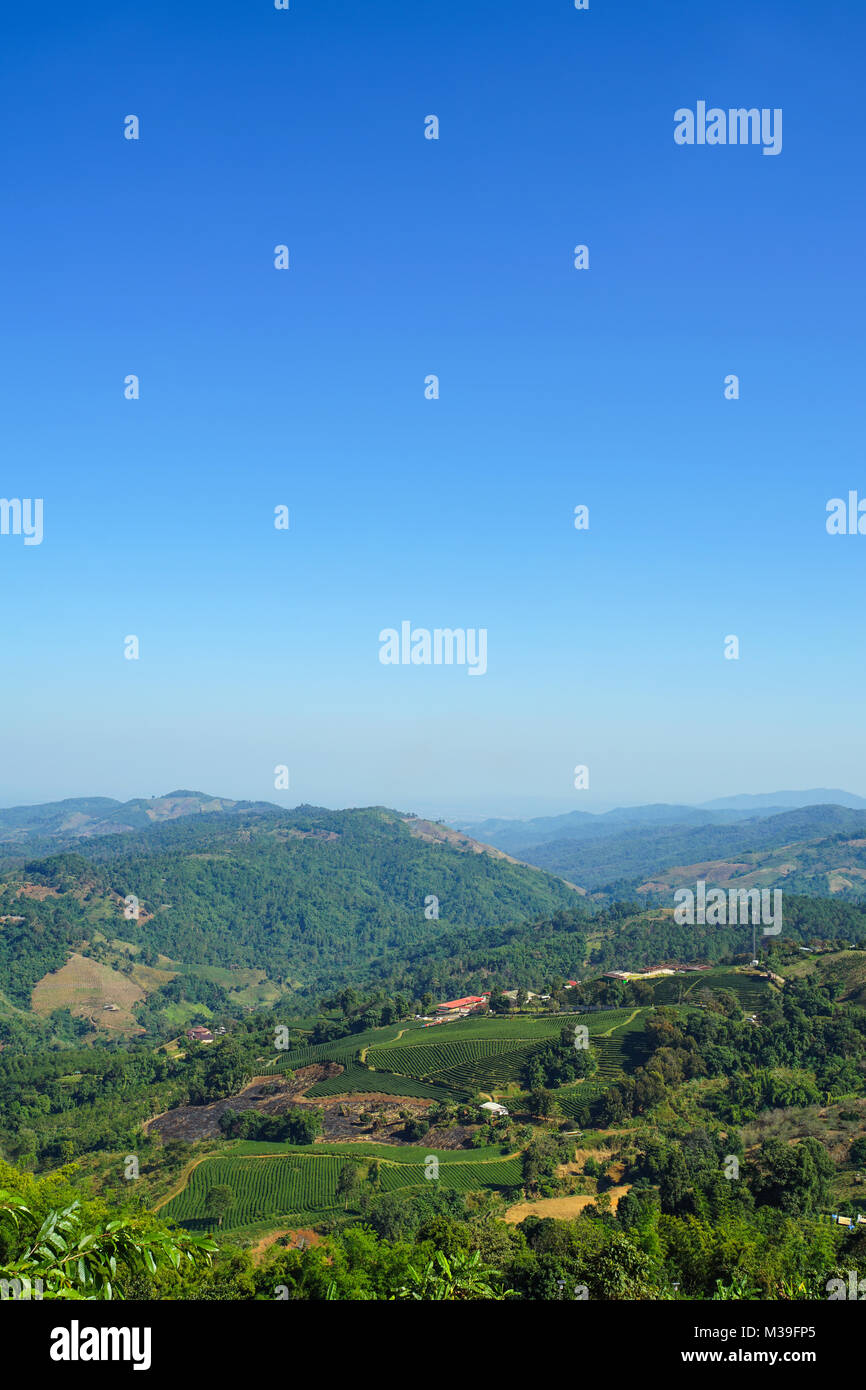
88,990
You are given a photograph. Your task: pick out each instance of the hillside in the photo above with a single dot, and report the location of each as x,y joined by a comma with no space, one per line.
302,901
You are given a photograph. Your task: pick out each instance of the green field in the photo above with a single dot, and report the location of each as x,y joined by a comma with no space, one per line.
751,990
340,1050
463,1066
507,1027
285,1184
478,1055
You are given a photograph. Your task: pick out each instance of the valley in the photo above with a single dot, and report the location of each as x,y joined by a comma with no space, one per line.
284,1055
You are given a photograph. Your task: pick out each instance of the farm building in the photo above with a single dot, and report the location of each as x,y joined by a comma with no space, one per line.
493,1108
470,1004
199,1034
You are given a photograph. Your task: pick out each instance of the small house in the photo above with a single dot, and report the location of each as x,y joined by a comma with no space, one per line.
199,1034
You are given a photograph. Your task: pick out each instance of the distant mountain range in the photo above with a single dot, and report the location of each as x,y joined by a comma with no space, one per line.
786,801
649,850
724,810
83,817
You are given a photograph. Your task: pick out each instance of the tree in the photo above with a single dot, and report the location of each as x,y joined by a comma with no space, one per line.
541,1102
857,1153
218,1201
794,1178
348,1182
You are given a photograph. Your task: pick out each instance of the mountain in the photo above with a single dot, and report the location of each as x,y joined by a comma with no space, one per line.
625,858
258,901
82,817
516,835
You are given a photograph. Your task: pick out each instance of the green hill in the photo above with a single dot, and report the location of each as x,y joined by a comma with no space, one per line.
313,898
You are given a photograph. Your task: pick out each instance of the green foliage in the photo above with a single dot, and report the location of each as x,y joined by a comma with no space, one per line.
63,1255
295,1126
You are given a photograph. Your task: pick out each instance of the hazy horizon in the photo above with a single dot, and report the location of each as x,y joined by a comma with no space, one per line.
523,809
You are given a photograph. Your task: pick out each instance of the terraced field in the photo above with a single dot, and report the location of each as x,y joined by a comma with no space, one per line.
462,1065
751,990
620,1046
302,1186
461,1059
425,1059
341,1050
505,1027
576,1101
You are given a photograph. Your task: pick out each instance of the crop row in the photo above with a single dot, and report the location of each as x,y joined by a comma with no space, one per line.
300,1185
425,1061
502,1027
494,1033
339,1050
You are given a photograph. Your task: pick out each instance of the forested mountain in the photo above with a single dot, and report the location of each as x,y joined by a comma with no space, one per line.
307,898
590,938
812,849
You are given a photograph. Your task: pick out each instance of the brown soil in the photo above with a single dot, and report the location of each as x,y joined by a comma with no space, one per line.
346,1118
271,1095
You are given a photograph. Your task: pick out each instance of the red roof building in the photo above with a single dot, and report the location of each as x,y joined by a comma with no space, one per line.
470,1002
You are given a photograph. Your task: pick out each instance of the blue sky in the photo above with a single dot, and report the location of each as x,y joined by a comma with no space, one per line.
306,387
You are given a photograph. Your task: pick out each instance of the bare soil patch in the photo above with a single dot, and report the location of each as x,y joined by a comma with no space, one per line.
271,1095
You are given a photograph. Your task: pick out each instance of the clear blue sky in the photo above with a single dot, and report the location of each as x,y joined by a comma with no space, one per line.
408,257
